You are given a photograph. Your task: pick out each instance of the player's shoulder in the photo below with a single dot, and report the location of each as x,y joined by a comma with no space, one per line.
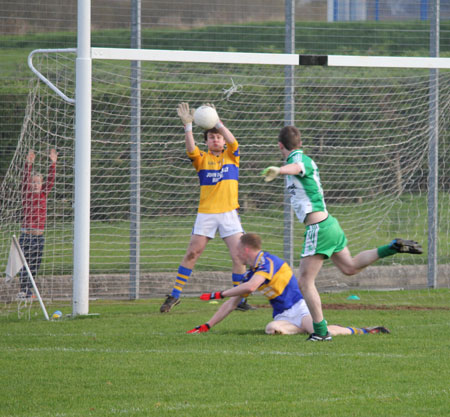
267,259
196,152
295,155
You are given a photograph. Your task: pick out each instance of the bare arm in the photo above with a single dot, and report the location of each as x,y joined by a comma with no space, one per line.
245,288
236,294
291,169
226,308
224,131
190,142
48,185
27,173
270,173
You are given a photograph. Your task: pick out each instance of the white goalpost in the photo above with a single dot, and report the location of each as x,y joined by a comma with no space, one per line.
367,126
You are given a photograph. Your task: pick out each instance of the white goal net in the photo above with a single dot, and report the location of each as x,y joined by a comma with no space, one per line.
367,129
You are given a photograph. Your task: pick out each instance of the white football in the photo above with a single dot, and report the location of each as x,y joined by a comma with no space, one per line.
206,117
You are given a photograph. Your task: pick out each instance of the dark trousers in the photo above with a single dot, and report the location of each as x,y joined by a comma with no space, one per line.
32,247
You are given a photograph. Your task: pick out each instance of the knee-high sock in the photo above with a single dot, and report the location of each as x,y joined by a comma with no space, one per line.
180,281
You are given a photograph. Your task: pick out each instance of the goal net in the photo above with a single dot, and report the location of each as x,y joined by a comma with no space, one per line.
367,129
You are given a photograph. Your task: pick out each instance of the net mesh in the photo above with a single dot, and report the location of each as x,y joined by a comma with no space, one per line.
367,129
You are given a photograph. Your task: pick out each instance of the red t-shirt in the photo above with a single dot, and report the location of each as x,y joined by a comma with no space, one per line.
35,204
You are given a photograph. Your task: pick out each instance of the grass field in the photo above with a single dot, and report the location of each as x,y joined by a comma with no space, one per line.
133,361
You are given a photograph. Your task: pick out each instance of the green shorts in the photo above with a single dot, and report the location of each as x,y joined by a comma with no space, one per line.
325,238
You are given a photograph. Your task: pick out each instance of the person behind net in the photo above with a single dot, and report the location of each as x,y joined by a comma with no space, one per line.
273,277
218,172
323,237
34,215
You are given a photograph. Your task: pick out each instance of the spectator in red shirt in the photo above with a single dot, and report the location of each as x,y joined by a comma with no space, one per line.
34,210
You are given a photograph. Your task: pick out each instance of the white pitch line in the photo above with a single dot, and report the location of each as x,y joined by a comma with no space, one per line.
209,352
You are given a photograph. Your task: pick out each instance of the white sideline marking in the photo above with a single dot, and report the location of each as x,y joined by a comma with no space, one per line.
86,334
208,352
430,393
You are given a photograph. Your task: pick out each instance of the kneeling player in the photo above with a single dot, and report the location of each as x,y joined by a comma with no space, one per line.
274,278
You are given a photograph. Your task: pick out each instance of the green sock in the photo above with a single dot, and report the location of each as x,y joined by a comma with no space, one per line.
386,250
320,328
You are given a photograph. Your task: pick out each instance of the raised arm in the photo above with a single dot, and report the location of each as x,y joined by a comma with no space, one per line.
187,116
46,188
223,130
29,161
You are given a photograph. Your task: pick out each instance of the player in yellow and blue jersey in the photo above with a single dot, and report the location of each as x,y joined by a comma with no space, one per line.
218,173
274,278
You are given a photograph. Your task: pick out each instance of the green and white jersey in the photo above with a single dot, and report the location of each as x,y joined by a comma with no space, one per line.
305,188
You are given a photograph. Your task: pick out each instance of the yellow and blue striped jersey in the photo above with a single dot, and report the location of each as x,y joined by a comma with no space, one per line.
219,176
280,285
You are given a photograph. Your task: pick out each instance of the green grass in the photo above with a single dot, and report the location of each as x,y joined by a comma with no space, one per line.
133,361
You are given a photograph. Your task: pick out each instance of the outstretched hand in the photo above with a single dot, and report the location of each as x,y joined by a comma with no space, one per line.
53,155
200,329
270,173
31,157
186,115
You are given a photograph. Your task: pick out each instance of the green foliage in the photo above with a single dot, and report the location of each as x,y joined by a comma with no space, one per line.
133,361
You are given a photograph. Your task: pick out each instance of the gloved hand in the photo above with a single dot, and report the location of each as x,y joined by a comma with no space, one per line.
270,173
186,115
211,296
200,329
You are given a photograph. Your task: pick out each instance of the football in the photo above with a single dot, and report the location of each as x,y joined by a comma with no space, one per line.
206,117
56,315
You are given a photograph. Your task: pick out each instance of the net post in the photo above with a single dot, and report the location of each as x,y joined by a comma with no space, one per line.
289,89
433,150
135,155
83,93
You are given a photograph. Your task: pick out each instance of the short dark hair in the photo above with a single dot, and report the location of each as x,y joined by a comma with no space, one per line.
205,133
290,138
251,240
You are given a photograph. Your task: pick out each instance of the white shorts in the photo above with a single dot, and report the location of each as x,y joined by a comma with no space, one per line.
294,314
207,224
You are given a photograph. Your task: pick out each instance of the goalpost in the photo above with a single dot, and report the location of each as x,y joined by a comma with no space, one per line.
367,127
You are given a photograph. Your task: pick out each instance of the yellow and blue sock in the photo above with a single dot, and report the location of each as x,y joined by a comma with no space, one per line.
237,279
357,330
181,280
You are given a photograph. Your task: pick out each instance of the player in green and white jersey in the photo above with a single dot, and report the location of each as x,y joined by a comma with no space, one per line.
323,236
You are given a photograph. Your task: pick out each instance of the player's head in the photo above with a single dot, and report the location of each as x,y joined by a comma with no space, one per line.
214,140
289,137
249,244
36,182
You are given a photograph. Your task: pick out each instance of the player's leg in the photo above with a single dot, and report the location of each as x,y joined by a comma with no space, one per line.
230,230
283,327
197,245
337,330
351,266
309,268
295,320
26,247
36,253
